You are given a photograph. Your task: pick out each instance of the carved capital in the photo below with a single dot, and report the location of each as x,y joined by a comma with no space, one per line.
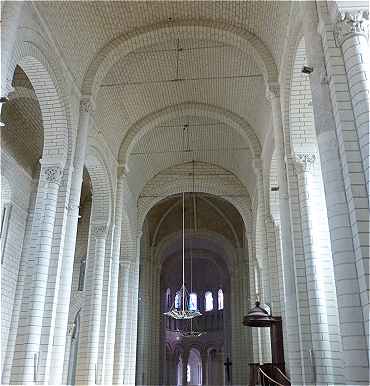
121,172
272,91
99,231
86,105
53,174
71,328
351,23
306,160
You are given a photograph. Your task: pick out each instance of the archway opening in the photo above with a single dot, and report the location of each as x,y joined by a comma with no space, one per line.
194,368
214,238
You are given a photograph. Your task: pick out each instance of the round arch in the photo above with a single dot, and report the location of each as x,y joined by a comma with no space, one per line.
163,248
101,185
208,202
216,187
140,128
46,83
203,29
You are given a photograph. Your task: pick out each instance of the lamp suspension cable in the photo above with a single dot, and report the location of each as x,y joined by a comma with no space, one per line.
183,251
183,312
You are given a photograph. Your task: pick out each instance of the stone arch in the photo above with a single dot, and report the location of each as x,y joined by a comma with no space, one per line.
138,129
102,187
242,204
46,83
219,211
204,29
294,37
168,240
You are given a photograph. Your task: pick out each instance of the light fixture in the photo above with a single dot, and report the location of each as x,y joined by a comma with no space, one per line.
184,312
192,333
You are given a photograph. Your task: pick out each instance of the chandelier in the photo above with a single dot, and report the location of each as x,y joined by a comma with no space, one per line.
184,312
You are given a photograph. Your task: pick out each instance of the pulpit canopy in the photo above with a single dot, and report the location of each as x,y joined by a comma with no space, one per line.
258,317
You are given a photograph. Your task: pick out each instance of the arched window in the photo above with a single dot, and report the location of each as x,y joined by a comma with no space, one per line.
220,299
209,301
188,374
168,299
193,302
178,300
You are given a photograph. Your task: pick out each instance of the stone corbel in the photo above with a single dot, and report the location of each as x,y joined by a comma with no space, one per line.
349,24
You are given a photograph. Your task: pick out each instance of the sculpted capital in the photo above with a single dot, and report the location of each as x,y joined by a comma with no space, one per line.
99,230
306,160
272,90
86,105
53,174
351,23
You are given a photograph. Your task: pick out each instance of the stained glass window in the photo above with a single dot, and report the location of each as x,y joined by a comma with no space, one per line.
209,301
220,299
193,302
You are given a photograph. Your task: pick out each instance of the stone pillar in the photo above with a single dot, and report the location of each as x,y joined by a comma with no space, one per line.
112,307
220,373
64,292
88,355
132,315
352,35
318,272
263,257
24,267
338,194
294,360
185,358
120,341
155,324
41,242
204,368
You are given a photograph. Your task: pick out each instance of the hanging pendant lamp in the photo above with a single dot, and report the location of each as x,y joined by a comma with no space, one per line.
192,333
184,312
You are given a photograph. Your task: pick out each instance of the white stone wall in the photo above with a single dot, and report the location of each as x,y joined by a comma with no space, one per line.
16,188
337,315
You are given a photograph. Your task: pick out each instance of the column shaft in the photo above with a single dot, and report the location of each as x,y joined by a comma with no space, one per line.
41,242
112,307
120,341
292,325
338,195
185,370
204,369
322,360
88,354
352,31
65,284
